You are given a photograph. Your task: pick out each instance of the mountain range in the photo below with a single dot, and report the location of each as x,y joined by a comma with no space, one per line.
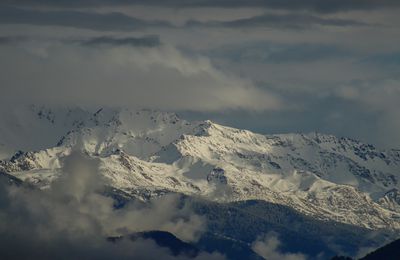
338,194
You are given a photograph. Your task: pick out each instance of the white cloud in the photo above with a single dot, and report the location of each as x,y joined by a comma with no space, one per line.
268,247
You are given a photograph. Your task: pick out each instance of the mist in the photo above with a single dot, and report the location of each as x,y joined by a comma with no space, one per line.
73,219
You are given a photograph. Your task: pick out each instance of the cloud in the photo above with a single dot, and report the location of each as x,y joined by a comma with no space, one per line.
270,52
287,21
381,102
388,60
117,21
268,248
6,40
159,78
98,41
146,41
255,55
80,186
72,219
362,110
113,21
327,6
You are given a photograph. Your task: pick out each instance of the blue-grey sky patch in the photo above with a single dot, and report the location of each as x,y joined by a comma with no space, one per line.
384,59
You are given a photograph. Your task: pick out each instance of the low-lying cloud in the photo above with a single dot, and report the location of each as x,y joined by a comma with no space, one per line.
269,248
72,219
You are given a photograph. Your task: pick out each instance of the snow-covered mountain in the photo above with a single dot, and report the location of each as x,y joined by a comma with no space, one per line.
144,153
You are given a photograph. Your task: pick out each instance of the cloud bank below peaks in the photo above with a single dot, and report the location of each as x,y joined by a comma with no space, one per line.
72,219
268,247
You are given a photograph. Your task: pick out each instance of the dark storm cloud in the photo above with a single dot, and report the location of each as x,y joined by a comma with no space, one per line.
103,41
86,20
323,6
146,41
7,40
287,21
117,21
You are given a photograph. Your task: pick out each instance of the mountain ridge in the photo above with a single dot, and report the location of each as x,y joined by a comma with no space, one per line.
145,153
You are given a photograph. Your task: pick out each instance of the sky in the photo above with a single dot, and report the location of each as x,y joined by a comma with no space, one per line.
271,66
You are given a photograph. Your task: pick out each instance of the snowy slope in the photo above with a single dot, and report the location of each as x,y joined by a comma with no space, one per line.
139,132
146,153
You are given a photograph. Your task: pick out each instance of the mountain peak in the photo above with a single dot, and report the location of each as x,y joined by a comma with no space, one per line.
147,152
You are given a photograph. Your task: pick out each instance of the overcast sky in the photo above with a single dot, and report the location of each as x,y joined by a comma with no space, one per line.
271,66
